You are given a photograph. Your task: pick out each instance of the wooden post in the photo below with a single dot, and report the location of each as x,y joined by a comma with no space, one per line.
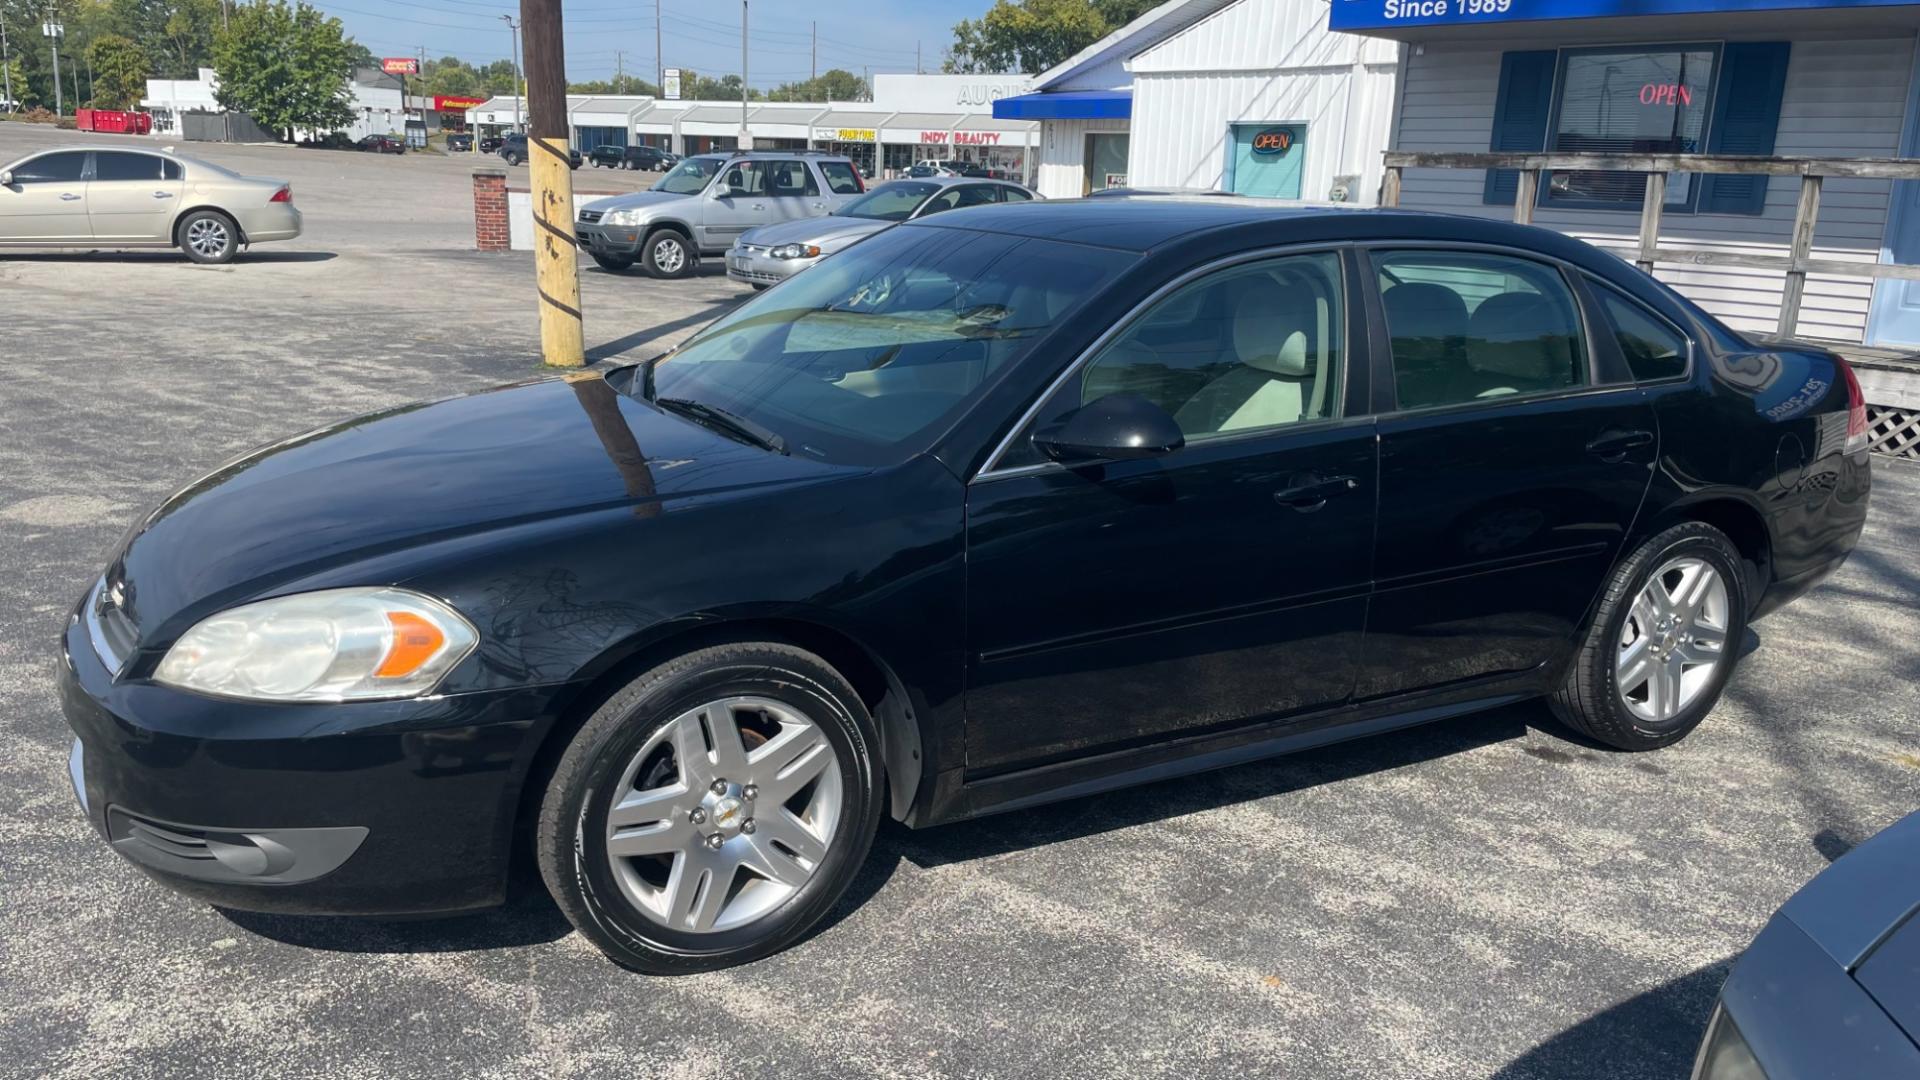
1653,203
1390,187
1524,196
555,252
1803,220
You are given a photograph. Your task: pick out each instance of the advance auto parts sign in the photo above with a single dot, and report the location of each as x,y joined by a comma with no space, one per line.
1273,142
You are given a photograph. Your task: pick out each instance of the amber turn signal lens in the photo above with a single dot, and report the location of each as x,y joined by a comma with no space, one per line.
415,640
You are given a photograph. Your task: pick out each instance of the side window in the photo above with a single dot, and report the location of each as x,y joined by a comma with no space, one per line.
748,178
51,168
792,179
1654,349
944,201
1248,347
979,195
1014,194
841,177
1469,327
169,169
108,165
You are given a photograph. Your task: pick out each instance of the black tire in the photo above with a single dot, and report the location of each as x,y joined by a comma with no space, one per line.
512,159
652,254
197,233
612,263
1588,699
570,837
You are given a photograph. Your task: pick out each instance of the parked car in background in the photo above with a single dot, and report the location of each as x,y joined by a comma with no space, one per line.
1831,986
999,506
491,144
513,150
382,144
113,198
921,170
704,203
987,172
642,158
459,143
770,254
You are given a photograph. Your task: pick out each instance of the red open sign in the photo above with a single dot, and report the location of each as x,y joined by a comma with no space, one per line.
1666,94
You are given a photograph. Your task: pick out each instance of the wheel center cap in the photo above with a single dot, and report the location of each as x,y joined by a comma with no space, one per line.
728,813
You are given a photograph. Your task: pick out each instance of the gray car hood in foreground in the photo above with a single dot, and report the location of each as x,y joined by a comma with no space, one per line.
830,233
1858,901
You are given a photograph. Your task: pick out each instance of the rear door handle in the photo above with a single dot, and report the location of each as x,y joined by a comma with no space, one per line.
163,194
1312,492
1613,445
68,196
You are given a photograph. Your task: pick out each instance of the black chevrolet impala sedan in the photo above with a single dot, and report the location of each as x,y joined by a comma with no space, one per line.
1008,505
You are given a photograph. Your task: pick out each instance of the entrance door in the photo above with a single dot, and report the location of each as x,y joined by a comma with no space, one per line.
47,200
132,196
1895,317
1106,162
1267,158
740,201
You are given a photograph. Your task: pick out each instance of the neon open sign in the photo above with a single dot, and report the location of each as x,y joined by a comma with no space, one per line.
1666,94
1273,141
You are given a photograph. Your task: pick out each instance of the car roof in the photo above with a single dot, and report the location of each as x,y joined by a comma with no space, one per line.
1144,223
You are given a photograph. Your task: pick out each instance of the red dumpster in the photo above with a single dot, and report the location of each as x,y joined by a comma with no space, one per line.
113,122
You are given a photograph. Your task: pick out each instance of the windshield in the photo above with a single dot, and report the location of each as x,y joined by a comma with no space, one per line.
865,352
889,202
690,176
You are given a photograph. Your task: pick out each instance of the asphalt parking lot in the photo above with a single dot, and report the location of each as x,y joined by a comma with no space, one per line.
1480,898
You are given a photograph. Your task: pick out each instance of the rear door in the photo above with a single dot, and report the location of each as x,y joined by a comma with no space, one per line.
1511,467
133,197
842,182
47,201
794,190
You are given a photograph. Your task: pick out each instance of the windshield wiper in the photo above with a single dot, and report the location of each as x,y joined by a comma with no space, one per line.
721,420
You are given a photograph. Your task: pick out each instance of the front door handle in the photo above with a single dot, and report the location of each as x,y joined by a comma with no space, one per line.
1613,445
68,196
1310,492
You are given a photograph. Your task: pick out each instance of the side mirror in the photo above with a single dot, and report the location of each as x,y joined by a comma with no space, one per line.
6,177
1118,426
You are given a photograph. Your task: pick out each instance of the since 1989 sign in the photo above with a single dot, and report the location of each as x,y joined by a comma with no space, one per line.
1389,15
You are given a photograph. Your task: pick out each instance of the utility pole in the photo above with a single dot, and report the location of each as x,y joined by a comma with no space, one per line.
6,68
619,72
917,70
53,32
519,87
746,136
556,256
659,57
816,51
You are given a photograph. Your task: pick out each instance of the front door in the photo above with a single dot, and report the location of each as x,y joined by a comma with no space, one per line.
1267,160
1125,603
739,201
1508,479
133,197
47,201
1106,161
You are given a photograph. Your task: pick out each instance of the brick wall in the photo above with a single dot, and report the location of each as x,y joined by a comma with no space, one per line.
490,210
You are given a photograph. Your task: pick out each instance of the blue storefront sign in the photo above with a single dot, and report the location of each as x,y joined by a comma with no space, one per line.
1364,15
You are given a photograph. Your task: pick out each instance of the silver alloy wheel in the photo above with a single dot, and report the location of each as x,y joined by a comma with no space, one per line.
669,254
741,820
1674,639
208,236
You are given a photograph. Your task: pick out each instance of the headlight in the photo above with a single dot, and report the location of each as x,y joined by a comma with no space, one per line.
621,217
795,251
1725,1054
337,645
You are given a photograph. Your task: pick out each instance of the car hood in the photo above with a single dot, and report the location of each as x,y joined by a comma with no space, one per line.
831,232
512,457
1852,904
637,201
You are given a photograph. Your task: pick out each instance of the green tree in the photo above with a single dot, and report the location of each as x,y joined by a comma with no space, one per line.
498,77
119,72
449,76
16,76
836,84
288,66
1034,35
725,88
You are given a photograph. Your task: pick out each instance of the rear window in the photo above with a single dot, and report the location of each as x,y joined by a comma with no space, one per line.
792,179
841,178
1654,350
108,165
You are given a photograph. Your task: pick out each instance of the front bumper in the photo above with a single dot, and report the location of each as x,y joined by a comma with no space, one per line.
752,265
621,240
377,808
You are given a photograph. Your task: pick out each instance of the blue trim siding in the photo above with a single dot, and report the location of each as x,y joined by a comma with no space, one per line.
1746,117
1388,16
1067,105
1521,112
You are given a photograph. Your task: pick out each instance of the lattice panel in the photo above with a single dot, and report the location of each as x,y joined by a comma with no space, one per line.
1893,431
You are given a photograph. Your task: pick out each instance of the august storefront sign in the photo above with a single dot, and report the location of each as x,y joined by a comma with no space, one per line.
1393,14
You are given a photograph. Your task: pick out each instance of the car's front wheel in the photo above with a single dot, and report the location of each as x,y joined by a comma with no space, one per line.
209,237
614,263
1663,643
668,254
712,811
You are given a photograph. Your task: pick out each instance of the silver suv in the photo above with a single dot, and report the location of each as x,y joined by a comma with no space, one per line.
704,203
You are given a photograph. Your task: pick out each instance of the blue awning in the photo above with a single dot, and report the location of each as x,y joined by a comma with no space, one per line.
1067,105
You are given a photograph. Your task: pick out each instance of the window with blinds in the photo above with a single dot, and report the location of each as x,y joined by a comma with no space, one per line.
1646,100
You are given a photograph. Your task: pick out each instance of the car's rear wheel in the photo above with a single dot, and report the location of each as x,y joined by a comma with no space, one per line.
512,159
714,810
209,237
668,254
615,263
1663,643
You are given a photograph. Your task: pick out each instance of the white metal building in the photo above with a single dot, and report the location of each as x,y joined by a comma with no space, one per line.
1256,96
1816,78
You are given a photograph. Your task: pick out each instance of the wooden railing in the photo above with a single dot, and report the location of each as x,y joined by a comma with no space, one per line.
1797,263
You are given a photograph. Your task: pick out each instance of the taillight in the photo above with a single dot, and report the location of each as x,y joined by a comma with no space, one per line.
285,194
1856,409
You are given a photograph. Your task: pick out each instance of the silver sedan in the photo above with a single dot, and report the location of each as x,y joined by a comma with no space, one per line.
773,253
120,198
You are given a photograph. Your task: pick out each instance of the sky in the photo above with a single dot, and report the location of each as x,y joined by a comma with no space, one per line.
703,35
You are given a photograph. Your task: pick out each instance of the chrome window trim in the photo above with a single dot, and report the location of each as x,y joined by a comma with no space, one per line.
992,471
1567,271
1686,375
